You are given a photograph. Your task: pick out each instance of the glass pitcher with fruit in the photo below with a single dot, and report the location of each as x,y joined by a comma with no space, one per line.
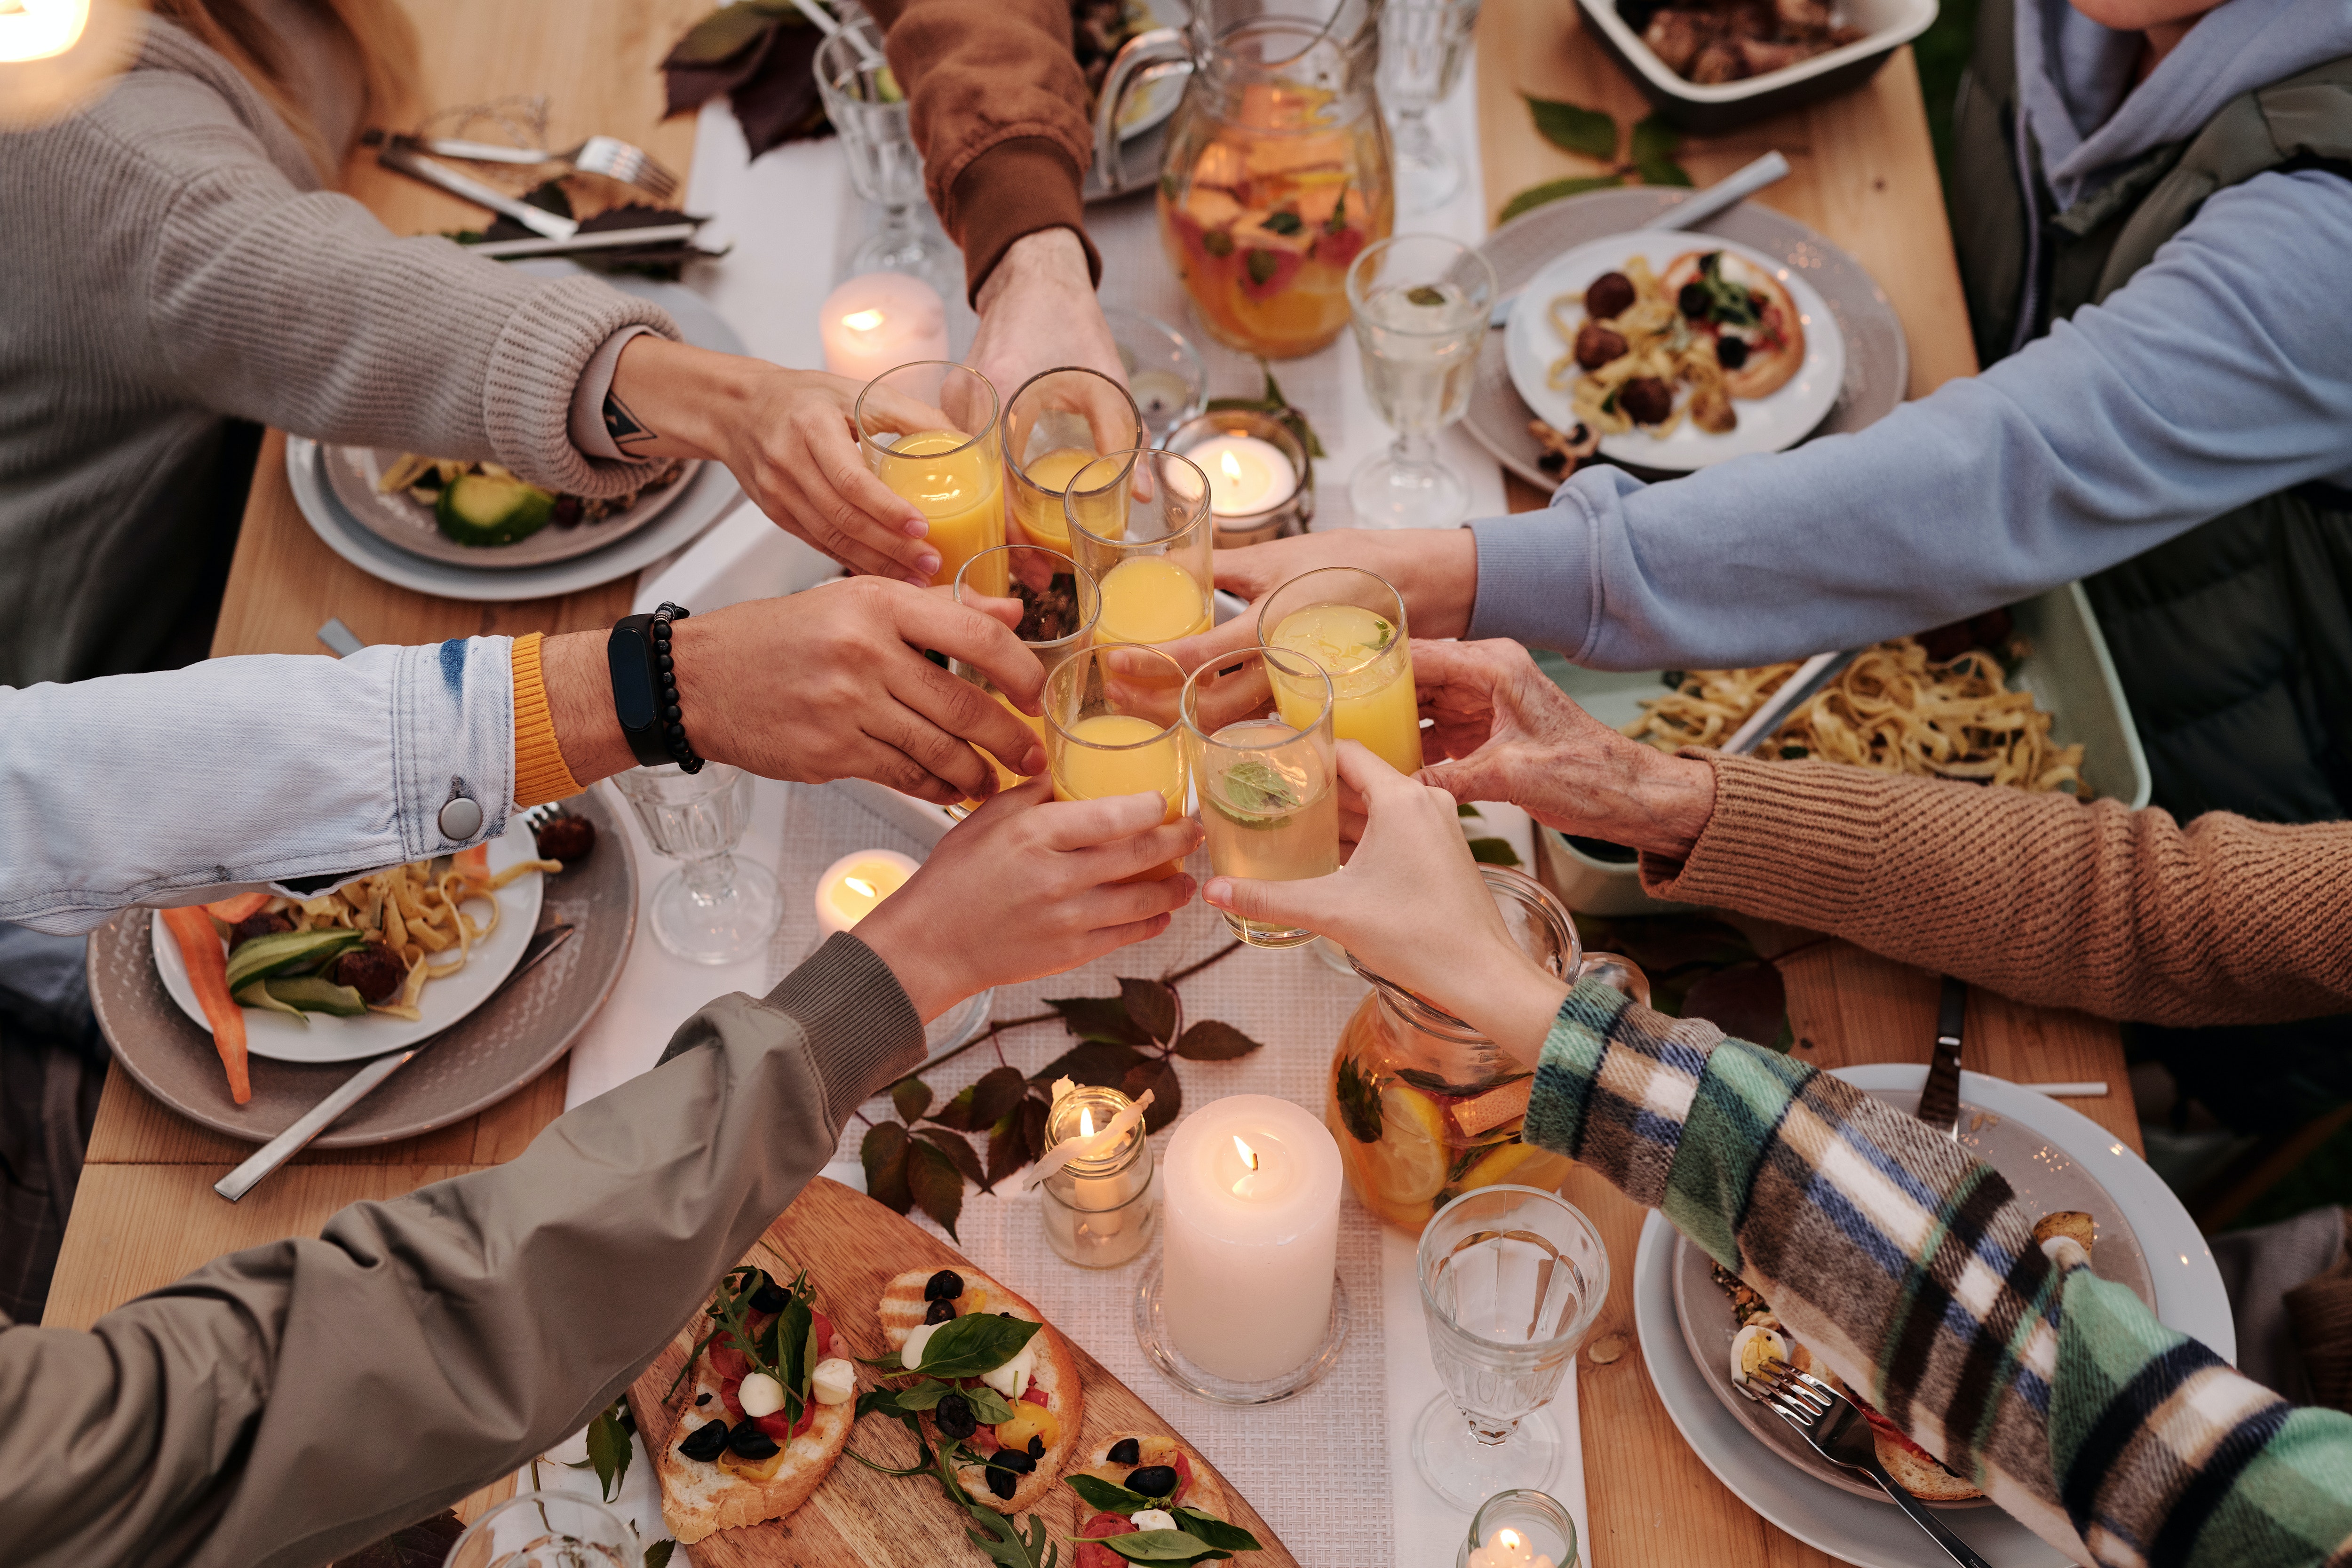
1276,170
1424,1107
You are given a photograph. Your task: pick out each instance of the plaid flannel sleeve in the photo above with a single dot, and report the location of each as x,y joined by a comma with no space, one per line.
1911,1269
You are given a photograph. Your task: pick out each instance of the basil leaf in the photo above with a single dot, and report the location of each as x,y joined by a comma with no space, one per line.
988,1406
1161,1546
885,1400
924,1396
967,1347
1215,1531
1109,1496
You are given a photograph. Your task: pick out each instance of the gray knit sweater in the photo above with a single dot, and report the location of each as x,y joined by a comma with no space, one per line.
176,264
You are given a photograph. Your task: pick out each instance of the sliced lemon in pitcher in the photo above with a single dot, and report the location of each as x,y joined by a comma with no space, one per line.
1408,1164
1519,1162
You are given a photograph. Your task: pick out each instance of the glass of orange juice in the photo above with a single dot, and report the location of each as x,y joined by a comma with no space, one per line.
1055,424
1057,619
1113,717
930,431
1351,623
1140,521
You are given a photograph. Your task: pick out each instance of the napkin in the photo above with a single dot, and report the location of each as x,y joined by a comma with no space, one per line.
762,54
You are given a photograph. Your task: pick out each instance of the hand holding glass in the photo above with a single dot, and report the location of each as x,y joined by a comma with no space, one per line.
1111,719
1139,522
953,473
1351,623
1054,426
1058,605
1257,736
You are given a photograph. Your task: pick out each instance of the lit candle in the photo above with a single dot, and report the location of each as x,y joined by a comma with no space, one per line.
1246,474
1099,1204
1252,1201
853,884
879,319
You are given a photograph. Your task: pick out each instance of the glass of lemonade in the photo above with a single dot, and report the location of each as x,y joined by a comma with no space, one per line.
1352,624
1057,619
1054,426
1112,717
1139,520
1420,305
930,431
1257,736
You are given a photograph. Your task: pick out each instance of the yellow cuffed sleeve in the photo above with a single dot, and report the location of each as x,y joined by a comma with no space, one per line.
540,773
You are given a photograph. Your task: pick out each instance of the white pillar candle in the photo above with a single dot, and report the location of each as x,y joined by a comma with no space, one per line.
1251,1252
1247,474
880,321
853,884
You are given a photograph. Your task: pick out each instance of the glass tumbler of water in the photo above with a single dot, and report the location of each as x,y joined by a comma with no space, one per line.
714,908
1511,1278
1420,304
862,100
546,1530
1424,47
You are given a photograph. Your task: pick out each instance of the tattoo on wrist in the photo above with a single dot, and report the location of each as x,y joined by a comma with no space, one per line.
625,429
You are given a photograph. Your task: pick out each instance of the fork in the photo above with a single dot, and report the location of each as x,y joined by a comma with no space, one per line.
606,155
1839,1433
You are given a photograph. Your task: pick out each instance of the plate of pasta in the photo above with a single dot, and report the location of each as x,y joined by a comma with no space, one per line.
1675,349
376,964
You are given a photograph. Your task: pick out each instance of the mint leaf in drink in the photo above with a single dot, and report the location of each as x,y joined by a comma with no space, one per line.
1258,788
1286,221
1386,635
1425,295
967,1347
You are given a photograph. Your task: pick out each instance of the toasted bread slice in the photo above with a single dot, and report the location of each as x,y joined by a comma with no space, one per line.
901,1311
1196,1486
2071,1222
698,1497
1776,345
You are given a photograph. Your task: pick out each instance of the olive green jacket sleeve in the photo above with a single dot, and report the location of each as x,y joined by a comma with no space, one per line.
283,1406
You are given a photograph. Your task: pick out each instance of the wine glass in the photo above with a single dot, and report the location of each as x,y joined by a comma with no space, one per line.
714,908
1511,1278
866,107
546,1530
1420,305
1423,45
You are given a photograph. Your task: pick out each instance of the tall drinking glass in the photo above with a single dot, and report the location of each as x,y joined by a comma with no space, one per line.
1141,522
1423,45
1257,736
1111,720
1511,1278
1352,624
950,465
1055,424
885,167
714,908
546,1530
1058,604
1420,304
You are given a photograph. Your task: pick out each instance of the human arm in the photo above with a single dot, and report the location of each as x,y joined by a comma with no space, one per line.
2043,897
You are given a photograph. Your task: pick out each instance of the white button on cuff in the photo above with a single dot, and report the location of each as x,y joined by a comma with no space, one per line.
461,818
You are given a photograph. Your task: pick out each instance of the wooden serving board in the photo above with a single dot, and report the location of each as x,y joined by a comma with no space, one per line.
852,1247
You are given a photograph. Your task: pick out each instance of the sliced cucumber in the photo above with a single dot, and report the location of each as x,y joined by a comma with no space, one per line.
274,954
314,994
256,993
479,509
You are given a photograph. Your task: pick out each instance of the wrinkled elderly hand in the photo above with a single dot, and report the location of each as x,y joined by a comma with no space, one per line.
1038,313
1435,570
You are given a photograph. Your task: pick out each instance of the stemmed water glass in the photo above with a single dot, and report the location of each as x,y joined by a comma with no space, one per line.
1511,1278
1420,304
1423,45
714,908
869,111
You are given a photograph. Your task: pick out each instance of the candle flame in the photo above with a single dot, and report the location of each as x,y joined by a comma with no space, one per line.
1233,467
1509,1540
1086,1121
40,29
1248,1154
860,885
863,320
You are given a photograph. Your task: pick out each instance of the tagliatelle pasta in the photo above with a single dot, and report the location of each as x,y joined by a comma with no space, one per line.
418,914
1659,344
1890,709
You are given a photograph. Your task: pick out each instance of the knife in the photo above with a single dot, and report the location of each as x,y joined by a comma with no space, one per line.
1812,676
1939,1102
406,160
356,1088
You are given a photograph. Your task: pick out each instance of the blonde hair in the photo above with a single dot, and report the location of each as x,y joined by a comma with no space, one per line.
379,33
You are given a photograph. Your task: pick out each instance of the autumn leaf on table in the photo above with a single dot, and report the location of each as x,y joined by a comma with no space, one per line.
1593,134
1588,132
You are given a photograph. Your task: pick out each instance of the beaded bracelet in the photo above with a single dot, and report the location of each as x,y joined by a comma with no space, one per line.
645,688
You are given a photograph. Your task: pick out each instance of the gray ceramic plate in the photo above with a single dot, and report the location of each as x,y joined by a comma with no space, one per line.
1877,361
496,1049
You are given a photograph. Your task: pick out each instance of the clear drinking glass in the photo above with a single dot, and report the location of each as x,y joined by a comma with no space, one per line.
1423,45
546,1530
1054,426
1164,372
1111,720
714,908
1139,522
1058,605
884,166
1421,303
950,463
1351,623
1257,736
1511,1278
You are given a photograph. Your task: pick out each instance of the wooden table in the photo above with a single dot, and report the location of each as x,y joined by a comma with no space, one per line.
1864,175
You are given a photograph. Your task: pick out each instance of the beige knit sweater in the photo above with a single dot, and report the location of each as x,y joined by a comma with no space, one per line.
174,263
2040,897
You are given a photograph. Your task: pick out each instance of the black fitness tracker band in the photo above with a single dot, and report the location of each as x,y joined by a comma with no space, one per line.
645,690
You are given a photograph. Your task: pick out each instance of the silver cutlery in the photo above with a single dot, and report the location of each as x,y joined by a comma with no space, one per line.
649,237
400,156
1839,1433
606,155
1939,1099
1694,209
363,1083
340,640
1812,676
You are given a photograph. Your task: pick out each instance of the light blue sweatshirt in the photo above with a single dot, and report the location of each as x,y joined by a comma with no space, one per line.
2221,373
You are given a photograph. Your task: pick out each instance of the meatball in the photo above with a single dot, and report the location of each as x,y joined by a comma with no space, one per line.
1646,400
567,838
252,926
1596,345
372,970
1730,352
1610,294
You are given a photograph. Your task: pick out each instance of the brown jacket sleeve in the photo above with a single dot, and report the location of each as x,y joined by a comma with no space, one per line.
2040,897
998,111
283,1406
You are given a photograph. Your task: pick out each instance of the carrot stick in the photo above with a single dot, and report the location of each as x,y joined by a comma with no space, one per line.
201,950
228,912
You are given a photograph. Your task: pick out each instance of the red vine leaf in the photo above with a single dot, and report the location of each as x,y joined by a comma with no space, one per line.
1157,1074
959,1150
1099,1018
936,1184
1211,1041
1153,1006
912,1096
995,1095
884,1155
1096,1064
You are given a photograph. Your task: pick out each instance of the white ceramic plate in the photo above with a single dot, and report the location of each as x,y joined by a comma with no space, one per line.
1531,347
406,523
327,1039
2181,1275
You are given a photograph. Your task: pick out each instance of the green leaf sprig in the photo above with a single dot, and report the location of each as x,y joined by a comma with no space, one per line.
1593,134
1203,1538
609,1448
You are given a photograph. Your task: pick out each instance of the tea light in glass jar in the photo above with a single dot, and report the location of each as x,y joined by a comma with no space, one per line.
1101,1207
853,884
879,320
1246,474
1519,1528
